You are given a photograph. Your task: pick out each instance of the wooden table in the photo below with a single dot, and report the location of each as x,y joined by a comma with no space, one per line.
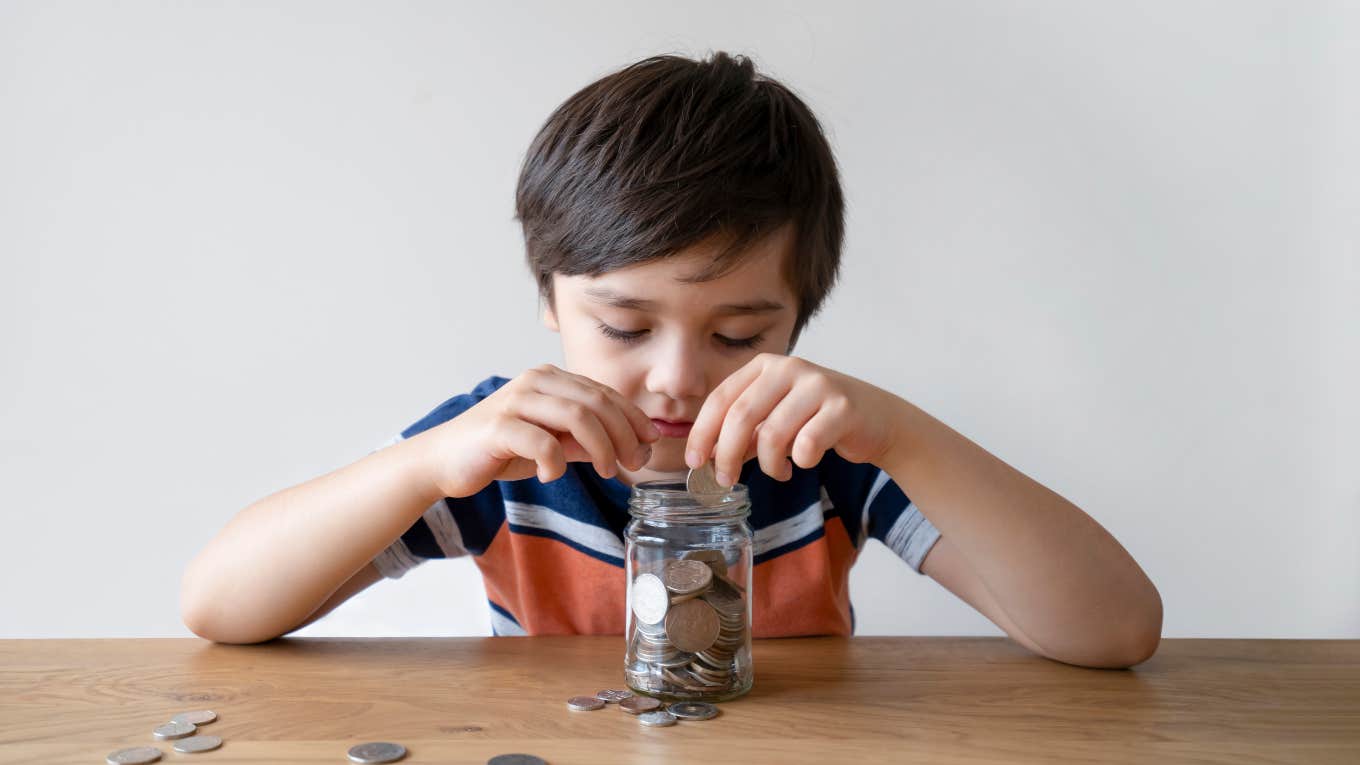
823,700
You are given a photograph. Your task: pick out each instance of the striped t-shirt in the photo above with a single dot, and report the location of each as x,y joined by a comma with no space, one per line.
551,554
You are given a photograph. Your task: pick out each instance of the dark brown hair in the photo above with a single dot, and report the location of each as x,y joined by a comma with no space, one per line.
670,152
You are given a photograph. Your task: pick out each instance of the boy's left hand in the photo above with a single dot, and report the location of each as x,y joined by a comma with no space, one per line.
776,407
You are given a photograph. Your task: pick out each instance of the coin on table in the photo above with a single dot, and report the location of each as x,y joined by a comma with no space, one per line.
693,625
174,730
657,719
686,577
585,703
137,755
650,599
639,704
194,744
704,480
196,717
377,751
693,710
613,696
516,759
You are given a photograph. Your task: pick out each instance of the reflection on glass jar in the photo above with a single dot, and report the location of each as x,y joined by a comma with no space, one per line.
688,561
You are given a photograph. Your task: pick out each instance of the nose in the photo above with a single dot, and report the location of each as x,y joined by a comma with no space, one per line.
678,370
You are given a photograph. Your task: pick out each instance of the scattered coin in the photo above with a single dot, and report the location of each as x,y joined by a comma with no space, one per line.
197,717
639,704
197,744
704,480
693,710
613,697
173,730
516,759
137,755
376,752
658,719
585,703
650,599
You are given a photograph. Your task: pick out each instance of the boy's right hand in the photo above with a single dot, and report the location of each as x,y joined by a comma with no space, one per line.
534,425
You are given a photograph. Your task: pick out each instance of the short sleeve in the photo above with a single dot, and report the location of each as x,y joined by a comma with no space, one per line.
437,533
889,516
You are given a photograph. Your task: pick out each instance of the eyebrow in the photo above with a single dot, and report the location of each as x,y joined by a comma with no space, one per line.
619,300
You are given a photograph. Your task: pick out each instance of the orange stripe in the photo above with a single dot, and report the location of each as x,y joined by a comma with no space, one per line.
553,589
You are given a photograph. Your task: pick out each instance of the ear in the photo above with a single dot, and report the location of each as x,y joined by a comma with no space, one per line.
550,317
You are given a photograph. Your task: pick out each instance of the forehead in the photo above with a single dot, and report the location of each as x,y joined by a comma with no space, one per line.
757,283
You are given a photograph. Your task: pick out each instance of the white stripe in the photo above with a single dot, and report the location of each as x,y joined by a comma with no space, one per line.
591,537
903,530
792,529
396,560
504,627
446,534
880,481
393,440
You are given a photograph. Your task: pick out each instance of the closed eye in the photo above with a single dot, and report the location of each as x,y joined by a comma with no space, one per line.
629,338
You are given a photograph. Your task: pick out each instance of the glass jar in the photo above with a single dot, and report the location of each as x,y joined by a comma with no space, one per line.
688,562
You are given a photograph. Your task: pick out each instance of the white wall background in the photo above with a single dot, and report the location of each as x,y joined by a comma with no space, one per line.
1113,243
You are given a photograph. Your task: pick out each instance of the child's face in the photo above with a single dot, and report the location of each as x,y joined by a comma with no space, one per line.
680,356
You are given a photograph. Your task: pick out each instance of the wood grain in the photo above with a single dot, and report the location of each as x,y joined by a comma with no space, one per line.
822,700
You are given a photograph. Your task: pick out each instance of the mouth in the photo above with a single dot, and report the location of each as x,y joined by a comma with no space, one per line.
671,429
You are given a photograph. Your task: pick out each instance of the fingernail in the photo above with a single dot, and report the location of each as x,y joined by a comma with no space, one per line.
693,459
653,429
724,481
644,453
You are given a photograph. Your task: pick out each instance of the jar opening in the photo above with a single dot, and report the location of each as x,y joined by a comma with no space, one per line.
670,500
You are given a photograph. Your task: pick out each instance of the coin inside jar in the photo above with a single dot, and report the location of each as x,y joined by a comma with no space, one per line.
714,558
650,599
686,577
693,626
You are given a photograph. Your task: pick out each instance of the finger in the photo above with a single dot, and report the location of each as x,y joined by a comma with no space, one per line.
823,431
749,410
531,442
642,425
610,408
703,434
565,415
775,437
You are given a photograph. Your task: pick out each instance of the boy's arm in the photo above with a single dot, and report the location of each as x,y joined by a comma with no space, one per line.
1035,564
290,557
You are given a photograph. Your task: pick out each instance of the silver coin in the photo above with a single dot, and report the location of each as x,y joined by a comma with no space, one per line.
196,717
585,703
137,755
650,599
693,710
613,697
377,751
198,744
704,480
174,730
516,759
658,719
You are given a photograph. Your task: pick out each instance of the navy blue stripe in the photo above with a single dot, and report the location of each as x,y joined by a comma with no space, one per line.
420,541
496,607
596,554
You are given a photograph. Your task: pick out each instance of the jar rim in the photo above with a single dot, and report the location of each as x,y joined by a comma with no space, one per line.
669,499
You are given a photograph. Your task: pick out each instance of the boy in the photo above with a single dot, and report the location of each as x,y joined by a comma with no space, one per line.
684,222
